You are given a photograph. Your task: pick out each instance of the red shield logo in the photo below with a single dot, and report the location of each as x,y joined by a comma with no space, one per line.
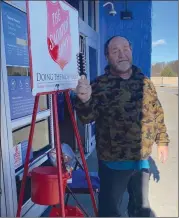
58,33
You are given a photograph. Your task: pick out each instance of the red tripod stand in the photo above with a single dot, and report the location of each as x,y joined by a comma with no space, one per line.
58,151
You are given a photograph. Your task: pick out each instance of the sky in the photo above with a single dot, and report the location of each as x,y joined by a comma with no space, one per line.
164,31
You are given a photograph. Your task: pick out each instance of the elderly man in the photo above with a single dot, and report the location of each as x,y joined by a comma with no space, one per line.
129,120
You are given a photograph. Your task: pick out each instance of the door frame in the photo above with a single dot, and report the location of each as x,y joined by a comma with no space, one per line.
3,209
93,40
6,133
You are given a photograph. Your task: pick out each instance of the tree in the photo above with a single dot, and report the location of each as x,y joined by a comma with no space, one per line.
168,72
175,66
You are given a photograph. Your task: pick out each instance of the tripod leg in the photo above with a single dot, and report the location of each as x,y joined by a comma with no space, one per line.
26,165
81,150
67,198
80,206
59,153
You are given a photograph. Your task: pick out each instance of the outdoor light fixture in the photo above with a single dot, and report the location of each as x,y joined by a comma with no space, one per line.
112,12
126,15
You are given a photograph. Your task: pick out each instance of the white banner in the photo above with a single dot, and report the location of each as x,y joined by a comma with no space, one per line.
54,44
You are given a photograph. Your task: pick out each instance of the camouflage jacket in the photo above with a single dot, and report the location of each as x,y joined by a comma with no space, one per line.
128,115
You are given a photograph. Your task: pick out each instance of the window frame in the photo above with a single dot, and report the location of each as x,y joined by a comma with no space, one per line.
92,5
81,9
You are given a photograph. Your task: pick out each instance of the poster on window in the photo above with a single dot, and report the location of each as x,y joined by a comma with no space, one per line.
53,44
20,151
15,36
20,96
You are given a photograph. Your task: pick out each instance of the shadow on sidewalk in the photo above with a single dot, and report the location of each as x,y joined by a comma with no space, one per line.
154,172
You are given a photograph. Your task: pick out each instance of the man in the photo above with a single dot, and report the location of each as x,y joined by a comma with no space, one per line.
129,120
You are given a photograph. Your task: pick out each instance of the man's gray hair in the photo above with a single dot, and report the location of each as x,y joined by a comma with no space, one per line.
106,45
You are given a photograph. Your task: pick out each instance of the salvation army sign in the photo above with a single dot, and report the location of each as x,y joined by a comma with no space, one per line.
58,34
53,45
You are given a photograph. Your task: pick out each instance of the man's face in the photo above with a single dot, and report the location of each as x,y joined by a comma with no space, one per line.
119,55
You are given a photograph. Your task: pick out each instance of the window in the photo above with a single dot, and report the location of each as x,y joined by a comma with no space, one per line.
20,96
93,63
92,14
79,5
17,71
81,9
41,135
40,144
74,3
82,44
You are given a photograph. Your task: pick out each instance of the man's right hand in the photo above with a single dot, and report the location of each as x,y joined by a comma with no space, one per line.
83,89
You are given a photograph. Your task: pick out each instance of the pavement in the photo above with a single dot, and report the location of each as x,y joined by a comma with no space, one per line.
163,193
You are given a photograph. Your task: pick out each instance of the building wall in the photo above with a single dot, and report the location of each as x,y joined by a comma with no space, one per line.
137,30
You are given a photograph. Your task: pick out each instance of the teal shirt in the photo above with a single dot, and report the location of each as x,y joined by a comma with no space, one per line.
128,165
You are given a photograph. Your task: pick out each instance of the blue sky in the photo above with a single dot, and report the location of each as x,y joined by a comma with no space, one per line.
164,31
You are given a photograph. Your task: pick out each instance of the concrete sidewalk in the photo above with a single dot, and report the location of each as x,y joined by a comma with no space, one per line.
164,193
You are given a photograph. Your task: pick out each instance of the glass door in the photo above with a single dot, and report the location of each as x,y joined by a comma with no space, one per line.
93,71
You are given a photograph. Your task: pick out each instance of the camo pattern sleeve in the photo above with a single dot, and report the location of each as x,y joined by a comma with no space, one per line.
162,138
88,112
